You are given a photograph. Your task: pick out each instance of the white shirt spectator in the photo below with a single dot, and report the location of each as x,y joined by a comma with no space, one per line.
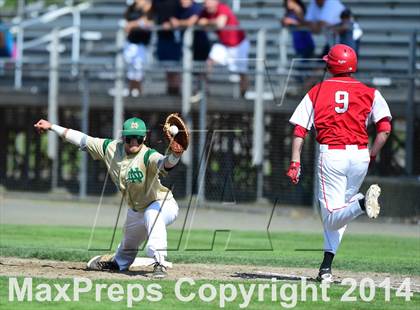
328,13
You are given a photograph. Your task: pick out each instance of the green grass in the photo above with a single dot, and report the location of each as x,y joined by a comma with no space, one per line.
357,253
169,300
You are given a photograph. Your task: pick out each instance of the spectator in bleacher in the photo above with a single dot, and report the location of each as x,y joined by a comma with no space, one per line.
348,32
233,47
321,15
168,41
187,15
6,41
303,43
139,19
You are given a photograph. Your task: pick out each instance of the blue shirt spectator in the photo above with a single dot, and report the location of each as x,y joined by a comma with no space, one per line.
348,31
168,42
6,41
302,39
188,9
324,13
321,16
187,15
168,45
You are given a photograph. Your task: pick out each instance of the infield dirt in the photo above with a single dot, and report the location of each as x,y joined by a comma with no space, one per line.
12,266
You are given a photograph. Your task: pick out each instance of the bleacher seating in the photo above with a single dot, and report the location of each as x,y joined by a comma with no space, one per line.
384,47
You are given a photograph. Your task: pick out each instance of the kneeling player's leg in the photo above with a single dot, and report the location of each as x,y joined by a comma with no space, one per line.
134,233
157,216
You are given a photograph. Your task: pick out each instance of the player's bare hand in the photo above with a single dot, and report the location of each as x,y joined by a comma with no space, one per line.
42,126
294,172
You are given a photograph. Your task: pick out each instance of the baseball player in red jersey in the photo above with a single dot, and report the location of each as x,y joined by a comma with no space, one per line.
340,109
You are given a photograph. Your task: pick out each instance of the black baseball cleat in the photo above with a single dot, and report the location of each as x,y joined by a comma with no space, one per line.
103,263
159,271
325,275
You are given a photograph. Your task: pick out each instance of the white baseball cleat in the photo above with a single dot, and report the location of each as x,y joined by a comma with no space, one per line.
371,201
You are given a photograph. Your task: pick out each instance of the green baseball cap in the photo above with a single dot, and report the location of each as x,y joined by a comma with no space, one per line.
134,127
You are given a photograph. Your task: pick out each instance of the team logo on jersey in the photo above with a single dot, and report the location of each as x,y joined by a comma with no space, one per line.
135,176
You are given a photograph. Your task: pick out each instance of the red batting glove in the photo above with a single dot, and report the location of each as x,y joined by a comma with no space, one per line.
294,172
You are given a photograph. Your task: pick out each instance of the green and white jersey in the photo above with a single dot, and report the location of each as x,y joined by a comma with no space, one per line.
136,175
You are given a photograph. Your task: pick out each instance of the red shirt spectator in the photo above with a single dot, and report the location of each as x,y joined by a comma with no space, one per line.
226,37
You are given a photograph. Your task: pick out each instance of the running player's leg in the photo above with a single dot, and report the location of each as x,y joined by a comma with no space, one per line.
333,168
335,222
355,176
338,201
331,195
134,233
157,216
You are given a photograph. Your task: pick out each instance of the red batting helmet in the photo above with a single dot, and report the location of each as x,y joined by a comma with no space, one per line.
341,59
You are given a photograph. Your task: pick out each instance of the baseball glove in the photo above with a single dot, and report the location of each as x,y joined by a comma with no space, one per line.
180,141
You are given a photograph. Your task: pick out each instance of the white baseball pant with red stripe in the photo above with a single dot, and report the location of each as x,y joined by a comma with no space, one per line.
340,174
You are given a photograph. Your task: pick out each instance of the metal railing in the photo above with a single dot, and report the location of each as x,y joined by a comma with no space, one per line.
19,30
53,37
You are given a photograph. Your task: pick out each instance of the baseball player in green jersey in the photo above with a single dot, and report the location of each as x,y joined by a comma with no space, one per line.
135,169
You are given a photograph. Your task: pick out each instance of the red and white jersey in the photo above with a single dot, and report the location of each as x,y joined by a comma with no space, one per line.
340,109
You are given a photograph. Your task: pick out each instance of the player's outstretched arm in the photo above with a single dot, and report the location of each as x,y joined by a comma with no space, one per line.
73,136
170,161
